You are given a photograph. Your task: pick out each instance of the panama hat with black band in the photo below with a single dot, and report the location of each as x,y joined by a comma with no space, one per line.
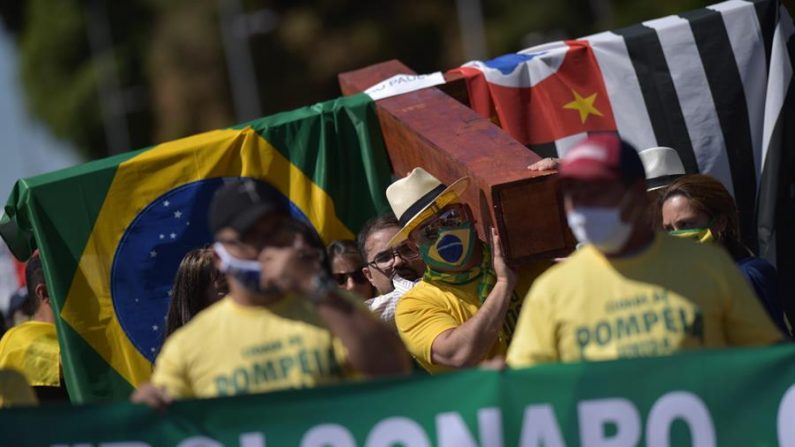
662,165
418,196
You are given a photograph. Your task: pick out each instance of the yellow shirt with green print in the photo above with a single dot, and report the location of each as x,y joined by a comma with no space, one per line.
230,349
675,295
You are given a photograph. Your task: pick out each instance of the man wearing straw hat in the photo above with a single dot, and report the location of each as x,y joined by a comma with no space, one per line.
465,308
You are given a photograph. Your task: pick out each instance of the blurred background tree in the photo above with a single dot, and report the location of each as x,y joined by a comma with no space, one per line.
112,76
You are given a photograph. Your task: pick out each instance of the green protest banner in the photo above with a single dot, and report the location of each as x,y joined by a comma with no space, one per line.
719,398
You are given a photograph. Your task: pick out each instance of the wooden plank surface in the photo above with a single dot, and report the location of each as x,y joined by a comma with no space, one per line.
431,129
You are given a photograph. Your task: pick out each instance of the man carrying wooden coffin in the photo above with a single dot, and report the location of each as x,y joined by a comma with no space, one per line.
466,306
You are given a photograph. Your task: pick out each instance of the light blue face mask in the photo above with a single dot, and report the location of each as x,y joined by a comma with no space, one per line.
247,273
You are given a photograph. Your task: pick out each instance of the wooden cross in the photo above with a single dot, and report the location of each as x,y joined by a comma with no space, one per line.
439,132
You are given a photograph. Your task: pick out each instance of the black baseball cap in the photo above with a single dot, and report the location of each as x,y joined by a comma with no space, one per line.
240,203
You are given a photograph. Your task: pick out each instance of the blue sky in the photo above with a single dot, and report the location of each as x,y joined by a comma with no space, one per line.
26,147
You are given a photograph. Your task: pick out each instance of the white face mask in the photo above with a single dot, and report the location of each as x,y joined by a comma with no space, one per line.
599,226
246,272
402,284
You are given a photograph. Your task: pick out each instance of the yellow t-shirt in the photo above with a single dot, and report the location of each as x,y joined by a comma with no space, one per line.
14,389
676,295
32,349
431,308
230,349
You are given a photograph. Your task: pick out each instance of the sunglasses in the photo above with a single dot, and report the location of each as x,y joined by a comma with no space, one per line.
342,278
451,216
386,259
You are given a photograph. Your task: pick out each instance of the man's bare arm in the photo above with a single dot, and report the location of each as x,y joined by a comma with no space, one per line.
468,344
373,349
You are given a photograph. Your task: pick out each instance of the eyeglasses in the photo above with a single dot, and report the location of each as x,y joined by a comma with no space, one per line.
385,260
342,278
450,216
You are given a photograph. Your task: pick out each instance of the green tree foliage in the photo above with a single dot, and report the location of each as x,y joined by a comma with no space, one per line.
60,75
57,74
298,62
186,69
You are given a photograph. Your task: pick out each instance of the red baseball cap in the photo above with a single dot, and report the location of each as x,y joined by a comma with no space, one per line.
602,157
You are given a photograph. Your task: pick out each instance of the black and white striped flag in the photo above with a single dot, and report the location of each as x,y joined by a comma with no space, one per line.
715,84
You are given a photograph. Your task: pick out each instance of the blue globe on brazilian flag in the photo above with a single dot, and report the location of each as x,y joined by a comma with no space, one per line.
112,232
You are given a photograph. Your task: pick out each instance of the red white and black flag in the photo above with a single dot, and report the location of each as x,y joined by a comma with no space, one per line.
714,84
560,82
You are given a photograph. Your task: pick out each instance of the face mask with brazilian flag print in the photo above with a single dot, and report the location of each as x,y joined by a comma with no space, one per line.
451,249
701,235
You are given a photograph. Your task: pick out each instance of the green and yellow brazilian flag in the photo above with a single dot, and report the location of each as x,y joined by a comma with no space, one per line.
112,232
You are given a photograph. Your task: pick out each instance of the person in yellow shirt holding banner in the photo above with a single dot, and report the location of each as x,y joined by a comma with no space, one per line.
630,292
285,324
31,347
465,308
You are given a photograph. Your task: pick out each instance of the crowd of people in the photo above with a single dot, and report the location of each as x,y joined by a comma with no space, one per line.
660,268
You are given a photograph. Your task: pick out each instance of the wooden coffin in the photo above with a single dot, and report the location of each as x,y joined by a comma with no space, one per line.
431,129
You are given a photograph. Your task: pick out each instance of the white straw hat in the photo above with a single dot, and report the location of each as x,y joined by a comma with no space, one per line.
662,165
418,196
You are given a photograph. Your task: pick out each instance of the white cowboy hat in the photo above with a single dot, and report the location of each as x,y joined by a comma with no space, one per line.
417,196
662,165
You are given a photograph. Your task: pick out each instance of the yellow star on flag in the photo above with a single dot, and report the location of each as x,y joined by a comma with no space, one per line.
584,106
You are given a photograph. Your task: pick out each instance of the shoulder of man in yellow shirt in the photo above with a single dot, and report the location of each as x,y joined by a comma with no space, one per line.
201,320
30,328
185,349
218,310
704,262
21,340
171,363
422,314
15,390
206,319
750,323
709,259
432,294
427,310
